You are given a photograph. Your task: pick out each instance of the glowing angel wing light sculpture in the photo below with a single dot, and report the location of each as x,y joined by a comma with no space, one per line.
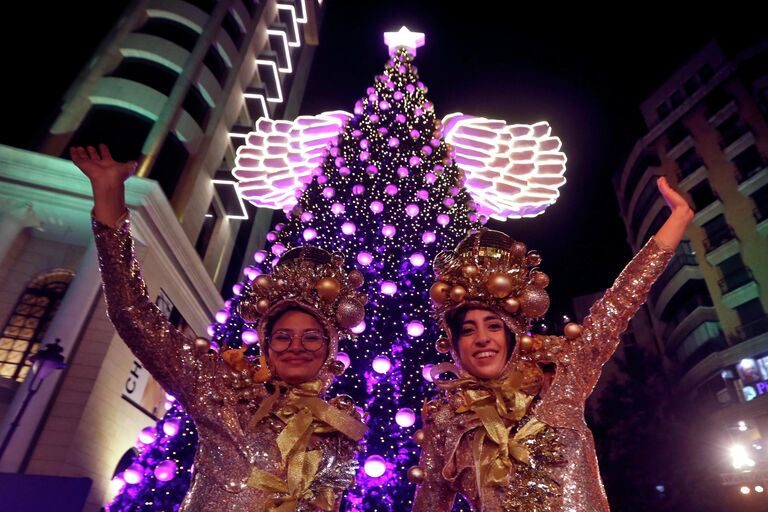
278,157
511,171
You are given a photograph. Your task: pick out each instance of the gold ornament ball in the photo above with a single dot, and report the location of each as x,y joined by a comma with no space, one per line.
356,279
457,293
534,301
444,262
511,305
443,345
540,279
499,285
262,306
526,343
416,475
337,259
418,437
469,270
263,282
533,259
439,292
336,368
518,249
201,345
343,402
572,330
349,313
328,289
247,308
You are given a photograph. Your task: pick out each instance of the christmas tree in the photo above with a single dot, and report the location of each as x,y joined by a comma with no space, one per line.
383,187
159,475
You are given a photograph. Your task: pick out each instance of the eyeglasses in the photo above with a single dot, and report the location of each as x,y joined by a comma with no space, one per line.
311,341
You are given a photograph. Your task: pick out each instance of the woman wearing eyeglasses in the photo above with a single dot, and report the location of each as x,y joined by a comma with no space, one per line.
267,440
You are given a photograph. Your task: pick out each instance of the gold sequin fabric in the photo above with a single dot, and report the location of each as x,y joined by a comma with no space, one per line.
221,401
562,472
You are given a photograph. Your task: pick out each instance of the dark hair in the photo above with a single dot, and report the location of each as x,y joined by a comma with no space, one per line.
456,320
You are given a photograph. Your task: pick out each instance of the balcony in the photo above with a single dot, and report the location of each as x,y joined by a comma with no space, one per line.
678,262
752,181
715,103
711,346
675,332
738,287
719,238
715,362
746,174
735,280
761,217
749,330
732,129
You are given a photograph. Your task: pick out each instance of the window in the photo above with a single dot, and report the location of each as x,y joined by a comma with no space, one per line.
734,272
716,101
700,342
196,106
204,5
705,73
232,28
206,231
750,311
29,321
702,195
731,130
689,162
718,232
748,163
676,99
172,31
215,63
676,134
170,164
662,111
760,197
151,74
691,86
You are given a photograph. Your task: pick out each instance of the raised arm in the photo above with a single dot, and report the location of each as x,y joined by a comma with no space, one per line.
609,316
165,352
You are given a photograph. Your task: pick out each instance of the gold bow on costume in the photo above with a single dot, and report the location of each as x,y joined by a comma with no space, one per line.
491,402
304,414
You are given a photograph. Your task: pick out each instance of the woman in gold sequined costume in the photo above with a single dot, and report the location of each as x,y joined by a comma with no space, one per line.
267,440
508,433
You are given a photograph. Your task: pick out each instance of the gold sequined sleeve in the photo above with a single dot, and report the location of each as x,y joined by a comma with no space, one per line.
164,352
609,316
435,493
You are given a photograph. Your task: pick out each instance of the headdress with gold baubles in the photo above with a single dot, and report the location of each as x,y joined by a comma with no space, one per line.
314,280
490,270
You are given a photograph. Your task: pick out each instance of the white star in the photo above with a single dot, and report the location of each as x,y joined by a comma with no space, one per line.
404,37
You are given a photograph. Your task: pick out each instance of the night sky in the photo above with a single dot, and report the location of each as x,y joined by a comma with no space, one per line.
499,60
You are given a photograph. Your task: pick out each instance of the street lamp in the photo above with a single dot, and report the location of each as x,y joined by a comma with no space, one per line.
43,363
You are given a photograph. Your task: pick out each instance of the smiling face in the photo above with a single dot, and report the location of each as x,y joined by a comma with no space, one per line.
481,341
296,362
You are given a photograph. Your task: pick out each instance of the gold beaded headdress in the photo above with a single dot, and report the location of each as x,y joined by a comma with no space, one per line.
491,270
314,280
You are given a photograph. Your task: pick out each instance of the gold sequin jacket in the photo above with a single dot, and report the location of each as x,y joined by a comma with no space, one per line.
234,436
550,462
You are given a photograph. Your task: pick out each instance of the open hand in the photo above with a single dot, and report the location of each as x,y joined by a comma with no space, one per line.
99,165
